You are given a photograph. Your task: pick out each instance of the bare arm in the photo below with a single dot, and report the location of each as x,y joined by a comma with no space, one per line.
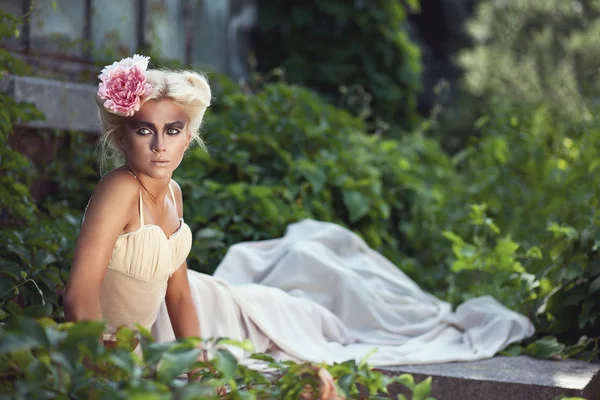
108,213
180,305
179,301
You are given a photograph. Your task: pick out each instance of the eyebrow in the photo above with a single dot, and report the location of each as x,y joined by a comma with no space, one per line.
139,123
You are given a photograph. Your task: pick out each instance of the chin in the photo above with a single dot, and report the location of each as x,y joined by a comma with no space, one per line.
157,172
161,173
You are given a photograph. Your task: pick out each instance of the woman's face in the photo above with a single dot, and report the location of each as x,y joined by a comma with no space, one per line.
156,138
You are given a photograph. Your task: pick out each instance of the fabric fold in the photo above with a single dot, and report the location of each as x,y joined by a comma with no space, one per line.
321,294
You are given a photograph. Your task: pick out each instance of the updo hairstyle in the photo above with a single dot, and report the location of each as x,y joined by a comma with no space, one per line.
187,89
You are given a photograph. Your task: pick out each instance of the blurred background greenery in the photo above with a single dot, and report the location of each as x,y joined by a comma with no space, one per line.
466,153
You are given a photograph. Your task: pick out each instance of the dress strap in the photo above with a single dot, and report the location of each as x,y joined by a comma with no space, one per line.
141,204
132,174
141,211
173,195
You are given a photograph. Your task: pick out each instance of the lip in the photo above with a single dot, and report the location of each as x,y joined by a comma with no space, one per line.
160,163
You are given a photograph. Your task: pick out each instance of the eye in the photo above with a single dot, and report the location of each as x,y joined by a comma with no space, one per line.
143,131
173,131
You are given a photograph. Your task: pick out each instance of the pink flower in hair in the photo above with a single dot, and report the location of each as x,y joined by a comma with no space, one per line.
123,84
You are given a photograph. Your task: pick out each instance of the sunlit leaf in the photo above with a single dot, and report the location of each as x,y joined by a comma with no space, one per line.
546,347
176,363
225,363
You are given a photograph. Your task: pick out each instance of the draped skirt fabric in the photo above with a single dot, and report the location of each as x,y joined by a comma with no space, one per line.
321,294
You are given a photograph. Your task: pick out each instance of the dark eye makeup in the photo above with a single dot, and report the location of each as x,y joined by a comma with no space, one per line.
173,130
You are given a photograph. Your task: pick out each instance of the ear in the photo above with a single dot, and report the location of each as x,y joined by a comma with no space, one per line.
120,141
188,139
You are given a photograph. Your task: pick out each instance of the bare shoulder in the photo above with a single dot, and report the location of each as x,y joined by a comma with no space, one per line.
114,197
117,186
178,196
109,211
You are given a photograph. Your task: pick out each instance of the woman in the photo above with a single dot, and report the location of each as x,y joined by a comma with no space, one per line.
130,254
317,294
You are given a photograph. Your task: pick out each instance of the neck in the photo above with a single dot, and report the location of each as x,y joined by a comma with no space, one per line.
156,189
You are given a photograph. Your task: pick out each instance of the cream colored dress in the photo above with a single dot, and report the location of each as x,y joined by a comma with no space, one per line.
138,273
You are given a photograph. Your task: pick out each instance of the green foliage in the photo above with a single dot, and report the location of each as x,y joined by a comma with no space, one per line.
350,52
512,214
15,199
523,136
40,359
29,252
43,359
535,51
530,238
282,155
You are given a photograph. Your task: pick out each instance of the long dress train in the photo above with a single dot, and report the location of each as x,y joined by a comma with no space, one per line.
321,294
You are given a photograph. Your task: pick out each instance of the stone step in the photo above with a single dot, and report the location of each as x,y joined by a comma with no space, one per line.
506,378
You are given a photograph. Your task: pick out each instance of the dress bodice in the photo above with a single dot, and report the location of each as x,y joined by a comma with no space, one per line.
139,269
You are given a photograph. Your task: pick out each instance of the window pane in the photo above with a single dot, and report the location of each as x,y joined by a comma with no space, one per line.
165,28
58,26
114,28
12,7
210,34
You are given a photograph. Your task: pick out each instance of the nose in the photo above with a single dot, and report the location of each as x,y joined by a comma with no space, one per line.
159,146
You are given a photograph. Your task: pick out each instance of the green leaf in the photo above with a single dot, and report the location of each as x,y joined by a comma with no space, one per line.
512,350
243,344
176,363
123,359
84,332
262,357
23,358
356,203
506,247
595,285
226,363
346,383
535,253
195,390
14,308
125,337
27,334
422,390
12,342
38,311
63,360
365,358
453,237
145,333
406,380
154,352
546,347
314,174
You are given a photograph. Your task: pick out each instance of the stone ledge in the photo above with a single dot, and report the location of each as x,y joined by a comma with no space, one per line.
506,378
66,106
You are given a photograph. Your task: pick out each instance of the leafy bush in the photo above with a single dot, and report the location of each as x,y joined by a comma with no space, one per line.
526,158
361,47
45,360
535,52
524,54
513,214
283,154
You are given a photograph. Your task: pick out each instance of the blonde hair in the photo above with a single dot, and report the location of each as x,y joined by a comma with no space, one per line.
187,89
